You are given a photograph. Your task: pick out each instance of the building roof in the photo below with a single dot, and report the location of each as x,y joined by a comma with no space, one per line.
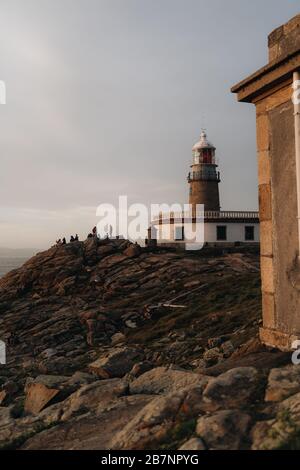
284,59
203,142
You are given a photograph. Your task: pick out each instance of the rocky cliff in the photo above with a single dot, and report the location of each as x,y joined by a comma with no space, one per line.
114,346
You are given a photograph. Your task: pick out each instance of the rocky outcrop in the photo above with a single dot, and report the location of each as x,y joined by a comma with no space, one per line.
282,383
226,429
116,363
235,387
112,346
163,380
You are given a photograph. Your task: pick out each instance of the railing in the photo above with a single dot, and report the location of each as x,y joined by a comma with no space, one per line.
231,214
204,176
207,215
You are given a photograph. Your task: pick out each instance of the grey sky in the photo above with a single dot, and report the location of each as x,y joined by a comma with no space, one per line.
107,97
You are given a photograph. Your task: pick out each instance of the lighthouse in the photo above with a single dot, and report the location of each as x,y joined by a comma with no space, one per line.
204,177
221,228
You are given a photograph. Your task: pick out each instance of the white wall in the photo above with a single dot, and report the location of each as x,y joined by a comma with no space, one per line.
235,232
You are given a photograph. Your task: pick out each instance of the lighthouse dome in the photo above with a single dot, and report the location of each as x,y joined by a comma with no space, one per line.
203,143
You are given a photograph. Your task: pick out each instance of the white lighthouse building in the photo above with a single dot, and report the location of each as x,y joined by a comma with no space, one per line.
219,228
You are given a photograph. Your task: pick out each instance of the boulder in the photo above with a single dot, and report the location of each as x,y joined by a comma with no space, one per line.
232,389
268,435
116,363
38,396
89,431
92,397
163,380
132,251
193,444
224,430
49,381
281,431
41,391
151,425
14,432
282,383
80,378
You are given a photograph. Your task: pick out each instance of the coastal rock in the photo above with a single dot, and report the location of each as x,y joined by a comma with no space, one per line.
116,363
193,444
132,251
85,432
151,425
38,396
224,430
60,311
282,431
42,390
163,380
234,388
94,396
283,383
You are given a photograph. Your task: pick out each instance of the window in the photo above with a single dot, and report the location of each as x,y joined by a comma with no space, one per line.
179,233
249,234
191,191
221,233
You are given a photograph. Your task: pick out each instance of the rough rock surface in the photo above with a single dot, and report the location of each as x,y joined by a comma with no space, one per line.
163,380
116,363
225,429
282,383
236,386
99,356
193,444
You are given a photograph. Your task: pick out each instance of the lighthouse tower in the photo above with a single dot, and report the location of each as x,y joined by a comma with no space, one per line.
204,178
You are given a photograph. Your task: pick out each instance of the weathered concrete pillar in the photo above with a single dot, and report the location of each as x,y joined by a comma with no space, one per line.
270,89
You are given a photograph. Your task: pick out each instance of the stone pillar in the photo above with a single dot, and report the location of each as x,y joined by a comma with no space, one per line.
270,89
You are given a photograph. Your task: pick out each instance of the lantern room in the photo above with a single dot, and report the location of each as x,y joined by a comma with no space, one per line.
204,151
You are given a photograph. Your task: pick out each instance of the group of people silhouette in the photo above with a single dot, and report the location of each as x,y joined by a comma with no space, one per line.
63,241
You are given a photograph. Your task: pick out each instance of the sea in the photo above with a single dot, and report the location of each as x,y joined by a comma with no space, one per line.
8,263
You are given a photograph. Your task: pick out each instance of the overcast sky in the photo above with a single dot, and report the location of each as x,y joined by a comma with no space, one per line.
107,97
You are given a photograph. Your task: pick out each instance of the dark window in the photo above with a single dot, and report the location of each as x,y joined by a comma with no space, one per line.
179,233
222,233
249,233
191,190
